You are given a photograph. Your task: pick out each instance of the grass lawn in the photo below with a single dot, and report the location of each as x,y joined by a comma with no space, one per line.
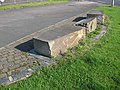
31,4
87,67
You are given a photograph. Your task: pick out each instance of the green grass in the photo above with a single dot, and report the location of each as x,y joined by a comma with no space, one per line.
31,4
92,66
94,33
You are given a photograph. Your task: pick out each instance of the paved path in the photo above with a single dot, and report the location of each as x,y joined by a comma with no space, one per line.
15,24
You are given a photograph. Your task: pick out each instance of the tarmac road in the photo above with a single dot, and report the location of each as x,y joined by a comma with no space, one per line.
15,24
117,2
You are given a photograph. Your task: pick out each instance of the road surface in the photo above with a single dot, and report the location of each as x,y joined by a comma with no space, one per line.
15,24
117,2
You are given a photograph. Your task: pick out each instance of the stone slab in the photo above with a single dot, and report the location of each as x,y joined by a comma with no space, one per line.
89,23
58,40
98,14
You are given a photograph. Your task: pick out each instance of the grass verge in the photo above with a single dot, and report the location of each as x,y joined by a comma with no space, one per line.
90,66
31,4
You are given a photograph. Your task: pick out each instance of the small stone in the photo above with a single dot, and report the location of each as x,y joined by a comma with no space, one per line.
10,78
30,70
27,75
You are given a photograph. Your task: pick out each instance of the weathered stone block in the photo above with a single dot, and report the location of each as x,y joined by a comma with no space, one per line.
58,40
98,14
90,24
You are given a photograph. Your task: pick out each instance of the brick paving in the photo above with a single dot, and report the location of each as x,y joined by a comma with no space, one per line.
13,60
